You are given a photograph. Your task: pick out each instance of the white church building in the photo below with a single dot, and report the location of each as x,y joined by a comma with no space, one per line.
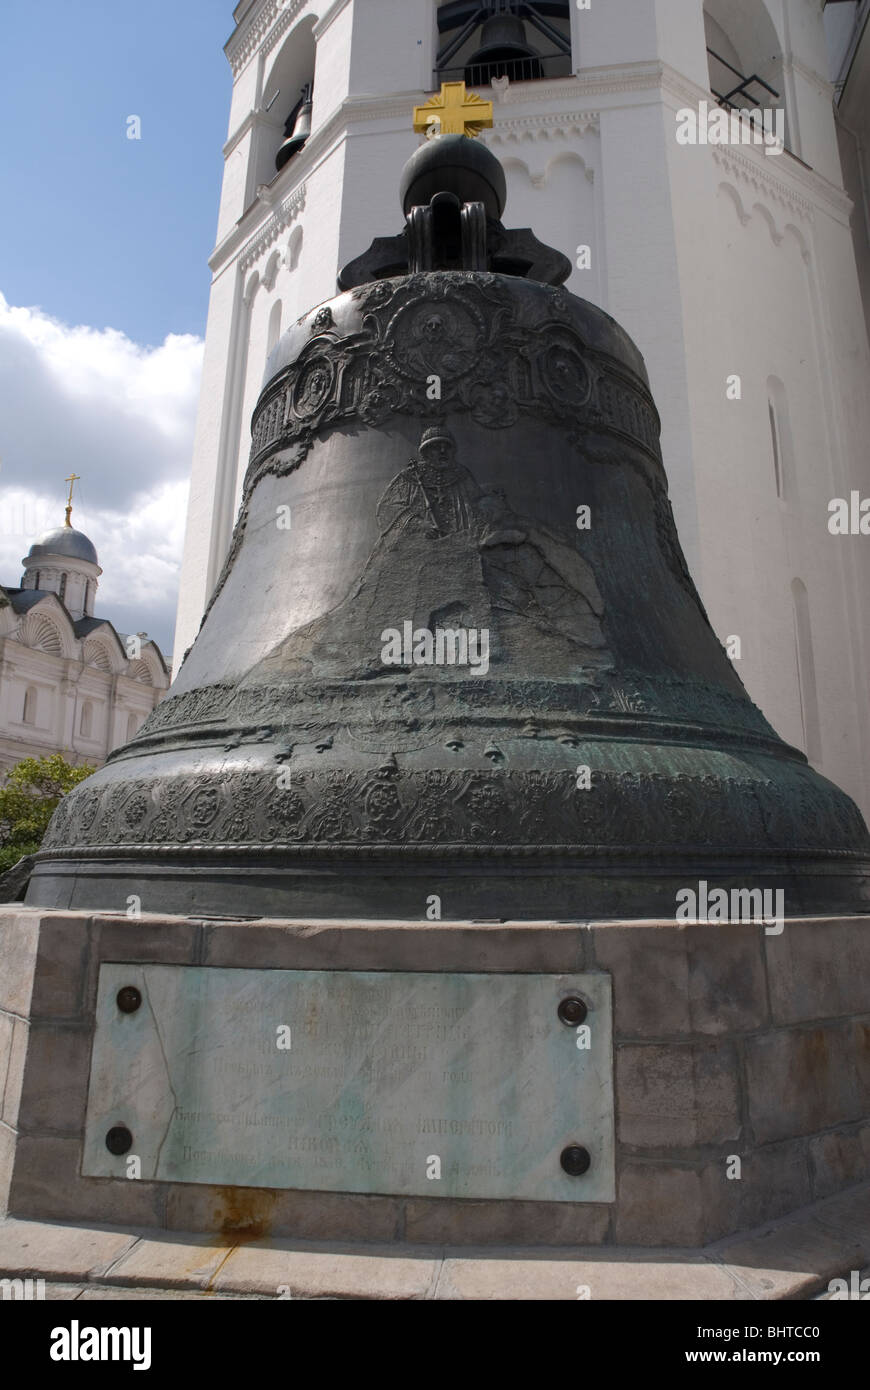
731,264
69,682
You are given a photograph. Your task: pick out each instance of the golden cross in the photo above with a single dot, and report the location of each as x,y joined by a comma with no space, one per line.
453,111
72,480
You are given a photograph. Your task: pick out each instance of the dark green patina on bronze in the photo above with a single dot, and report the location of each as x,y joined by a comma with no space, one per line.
291,772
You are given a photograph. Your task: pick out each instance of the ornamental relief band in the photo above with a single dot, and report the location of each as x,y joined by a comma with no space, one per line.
315,708
490,364
469,811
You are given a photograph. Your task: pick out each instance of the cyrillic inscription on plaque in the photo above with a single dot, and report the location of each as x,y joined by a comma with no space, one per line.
427,1084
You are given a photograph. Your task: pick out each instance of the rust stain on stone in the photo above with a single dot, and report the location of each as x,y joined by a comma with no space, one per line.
816,1047
244,1213
810,1062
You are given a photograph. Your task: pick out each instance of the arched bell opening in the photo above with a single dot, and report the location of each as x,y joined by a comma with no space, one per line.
744,57
483,40
286,104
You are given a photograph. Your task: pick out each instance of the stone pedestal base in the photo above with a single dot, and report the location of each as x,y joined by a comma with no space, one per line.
742,1072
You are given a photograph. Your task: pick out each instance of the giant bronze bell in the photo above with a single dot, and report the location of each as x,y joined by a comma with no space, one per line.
430,676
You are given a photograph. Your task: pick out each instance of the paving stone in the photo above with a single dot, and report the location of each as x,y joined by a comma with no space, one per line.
48,1291
174,1261
789,1260
589,1276
71,1252
857,1287
104,1294
263,1268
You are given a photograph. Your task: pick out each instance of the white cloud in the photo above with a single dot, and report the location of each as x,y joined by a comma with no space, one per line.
91,401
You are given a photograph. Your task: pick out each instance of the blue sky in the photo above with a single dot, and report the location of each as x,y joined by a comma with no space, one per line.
99,229
104,279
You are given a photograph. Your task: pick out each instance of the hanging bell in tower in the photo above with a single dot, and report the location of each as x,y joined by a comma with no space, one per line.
503,51
474,665
301,129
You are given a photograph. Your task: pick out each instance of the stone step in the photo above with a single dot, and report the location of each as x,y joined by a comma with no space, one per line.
794,1258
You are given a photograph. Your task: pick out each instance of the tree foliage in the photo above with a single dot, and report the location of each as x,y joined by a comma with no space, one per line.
30,792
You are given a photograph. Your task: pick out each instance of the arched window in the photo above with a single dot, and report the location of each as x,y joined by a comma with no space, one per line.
87,607
806,671
62,589
86,719
29,715
36,580
274,332
484,39
781,442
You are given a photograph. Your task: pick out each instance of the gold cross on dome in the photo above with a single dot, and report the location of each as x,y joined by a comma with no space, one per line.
72,480
453,111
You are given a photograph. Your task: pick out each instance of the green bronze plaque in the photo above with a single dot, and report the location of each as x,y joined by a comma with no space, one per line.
425,1084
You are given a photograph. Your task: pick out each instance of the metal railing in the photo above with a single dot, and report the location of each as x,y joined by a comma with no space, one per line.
530,69
727,98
